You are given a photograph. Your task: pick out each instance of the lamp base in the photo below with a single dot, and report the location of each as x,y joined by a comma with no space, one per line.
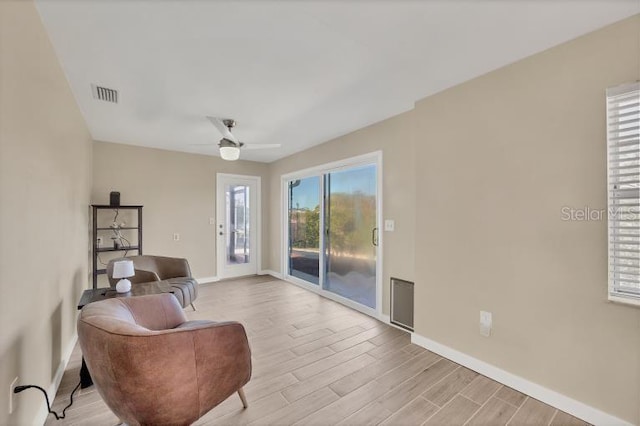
123,286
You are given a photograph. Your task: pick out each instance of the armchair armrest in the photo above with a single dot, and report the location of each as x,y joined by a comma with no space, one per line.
223,359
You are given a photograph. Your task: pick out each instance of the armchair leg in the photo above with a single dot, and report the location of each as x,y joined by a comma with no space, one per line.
243,398
194,307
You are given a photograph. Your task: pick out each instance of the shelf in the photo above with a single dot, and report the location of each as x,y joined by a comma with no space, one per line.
121,228
107,206
106,249
105,231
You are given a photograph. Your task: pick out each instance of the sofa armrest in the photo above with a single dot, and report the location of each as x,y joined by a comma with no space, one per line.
143,276
172,267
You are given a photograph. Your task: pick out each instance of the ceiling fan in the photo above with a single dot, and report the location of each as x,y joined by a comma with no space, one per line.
229,145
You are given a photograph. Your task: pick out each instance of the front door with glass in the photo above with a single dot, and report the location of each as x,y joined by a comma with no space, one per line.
236,228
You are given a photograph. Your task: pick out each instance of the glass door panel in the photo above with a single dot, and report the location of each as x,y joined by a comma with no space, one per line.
304,229
238,237
351,234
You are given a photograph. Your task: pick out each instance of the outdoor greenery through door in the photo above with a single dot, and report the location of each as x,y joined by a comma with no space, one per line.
333,234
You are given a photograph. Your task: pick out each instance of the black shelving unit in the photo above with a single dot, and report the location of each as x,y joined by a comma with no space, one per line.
96,250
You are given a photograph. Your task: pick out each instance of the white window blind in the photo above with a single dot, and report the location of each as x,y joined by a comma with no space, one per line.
623,152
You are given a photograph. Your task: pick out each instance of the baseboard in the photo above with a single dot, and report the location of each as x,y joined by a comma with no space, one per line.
387,320
41,416
548,396
207,280
270,272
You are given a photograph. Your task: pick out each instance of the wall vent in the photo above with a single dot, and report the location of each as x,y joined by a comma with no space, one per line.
104,94
402,303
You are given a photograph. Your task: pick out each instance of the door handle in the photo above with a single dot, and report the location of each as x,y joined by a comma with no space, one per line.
374,236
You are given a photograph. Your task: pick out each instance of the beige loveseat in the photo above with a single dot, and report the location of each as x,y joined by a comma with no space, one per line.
174,270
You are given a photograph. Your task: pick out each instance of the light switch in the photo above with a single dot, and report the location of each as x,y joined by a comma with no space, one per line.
212,221
389,225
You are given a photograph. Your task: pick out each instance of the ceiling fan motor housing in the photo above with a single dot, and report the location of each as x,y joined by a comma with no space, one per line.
224,142
229,123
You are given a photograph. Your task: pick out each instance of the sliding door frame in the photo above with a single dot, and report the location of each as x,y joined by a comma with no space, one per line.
373,158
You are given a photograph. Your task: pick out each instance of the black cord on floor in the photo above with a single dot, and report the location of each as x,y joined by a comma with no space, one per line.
19,389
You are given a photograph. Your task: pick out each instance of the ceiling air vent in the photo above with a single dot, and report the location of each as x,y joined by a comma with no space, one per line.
104,94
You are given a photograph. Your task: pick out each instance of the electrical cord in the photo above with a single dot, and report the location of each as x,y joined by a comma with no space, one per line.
118,234
128,246
19,389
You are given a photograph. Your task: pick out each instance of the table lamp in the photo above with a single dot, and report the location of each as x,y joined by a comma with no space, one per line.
123,269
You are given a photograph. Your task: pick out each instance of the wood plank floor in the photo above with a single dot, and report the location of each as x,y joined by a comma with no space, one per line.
316,362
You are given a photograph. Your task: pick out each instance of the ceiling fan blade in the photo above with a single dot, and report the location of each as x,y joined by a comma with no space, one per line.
260,145
224,131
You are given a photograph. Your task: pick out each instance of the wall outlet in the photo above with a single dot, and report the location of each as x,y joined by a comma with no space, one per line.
486,322
176,237
12,401
99,241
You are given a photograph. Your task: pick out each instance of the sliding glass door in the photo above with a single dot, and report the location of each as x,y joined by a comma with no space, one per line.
332,232
304,229
350,246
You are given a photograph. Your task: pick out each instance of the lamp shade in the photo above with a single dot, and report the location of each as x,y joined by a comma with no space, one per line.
123,269
229,153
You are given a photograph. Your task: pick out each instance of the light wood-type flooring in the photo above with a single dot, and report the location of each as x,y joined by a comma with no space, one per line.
316,362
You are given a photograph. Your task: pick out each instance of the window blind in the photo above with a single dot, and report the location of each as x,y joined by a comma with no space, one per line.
623,152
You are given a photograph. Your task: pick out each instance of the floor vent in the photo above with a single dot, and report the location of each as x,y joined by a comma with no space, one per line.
104,94
402,303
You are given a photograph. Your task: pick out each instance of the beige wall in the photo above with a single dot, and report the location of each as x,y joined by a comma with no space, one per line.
394,138
498,158
178,191
45,155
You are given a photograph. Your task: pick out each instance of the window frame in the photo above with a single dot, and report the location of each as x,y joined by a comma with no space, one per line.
615,195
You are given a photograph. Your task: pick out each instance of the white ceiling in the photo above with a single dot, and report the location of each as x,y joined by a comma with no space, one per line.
292,72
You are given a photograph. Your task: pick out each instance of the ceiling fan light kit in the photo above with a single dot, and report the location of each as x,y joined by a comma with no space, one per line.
229,153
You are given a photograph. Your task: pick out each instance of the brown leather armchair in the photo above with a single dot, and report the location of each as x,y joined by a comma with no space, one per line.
152,366
174,270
